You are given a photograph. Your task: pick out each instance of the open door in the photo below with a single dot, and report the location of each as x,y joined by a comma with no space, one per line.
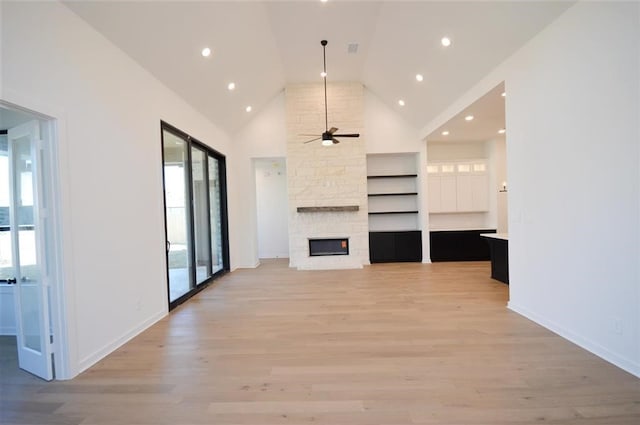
28,216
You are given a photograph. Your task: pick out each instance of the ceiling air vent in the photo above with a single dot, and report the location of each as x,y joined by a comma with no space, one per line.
352,48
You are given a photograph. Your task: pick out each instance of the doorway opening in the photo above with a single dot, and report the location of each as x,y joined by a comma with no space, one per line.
31,322
272,207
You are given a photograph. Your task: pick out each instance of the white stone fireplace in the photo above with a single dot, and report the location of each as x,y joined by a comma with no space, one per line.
327,185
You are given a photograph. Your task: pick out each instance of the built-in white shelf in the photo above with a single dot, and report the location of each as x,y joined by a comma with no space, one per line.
392,186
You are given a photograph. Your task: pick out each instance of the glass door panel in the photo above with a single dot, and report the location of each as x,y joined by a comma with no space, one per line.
200,214
178,215
215,215
6,258
27,220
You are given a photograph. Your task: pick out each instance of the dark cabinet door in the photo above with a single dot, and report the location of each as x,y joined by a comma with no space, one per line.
382,247
408,246
389,247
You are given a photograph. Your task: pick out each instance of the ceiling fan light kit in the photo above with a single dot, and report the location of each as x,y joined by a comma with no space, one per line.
329,135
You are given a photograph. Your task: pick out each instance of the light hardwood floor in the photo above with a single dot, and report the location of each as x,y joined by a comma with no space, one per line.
391,344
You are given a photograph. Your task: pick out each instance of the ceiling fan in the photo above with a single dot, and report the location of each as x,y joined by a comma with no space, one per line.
329,135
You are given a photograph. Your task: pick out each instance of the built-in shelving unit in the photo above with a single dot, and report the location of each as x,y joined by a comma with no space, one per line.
392,186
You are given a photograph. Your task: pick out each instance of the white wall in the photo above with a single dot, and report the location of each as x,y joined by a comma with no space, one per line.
388,132
7,310
272,208
574,198
573,158
499,176
108,111
264,136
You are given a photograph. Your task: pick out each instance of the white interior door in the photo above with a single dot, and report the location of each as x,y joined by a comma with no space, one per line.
27,217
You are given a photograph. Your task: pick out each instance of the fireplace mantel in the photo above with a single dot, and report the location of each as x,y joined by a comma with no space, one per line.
342,208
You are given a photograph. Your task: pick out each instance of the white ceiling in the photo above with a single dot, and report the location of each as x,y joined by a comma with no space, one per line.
488,118
264,45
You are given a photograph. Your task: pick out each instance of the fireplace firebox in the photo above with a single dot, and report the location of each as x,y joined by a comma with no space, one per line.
324,246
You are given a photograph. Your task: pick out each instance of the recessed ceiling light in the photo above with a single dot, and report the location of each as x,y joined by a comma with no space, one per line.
248,108
446,41
504,94
323,1
502,131
206,52
419,77
445,133
469,118
401,102
323,74
231,86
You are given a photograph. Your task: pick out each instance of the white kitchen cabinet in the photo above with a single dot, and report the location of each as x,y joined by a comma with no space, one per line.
458,187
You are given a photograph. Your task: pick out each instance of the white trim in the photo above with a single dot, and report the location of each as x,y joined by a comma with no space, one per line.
98,355
600,351
61,291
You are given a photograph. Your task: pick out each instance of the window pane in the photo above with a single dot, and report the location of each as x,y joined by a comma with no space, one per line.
200,214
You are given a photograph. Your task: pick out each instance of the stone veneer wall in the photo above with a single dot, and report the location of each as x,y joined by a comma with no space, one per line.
326,176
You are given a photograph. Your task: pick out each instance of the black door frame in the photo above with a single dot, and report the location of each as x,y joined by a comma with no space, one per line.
222,171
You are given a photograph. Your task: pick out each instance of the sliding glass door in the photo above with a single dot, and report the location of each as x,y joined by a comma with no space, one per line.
195,214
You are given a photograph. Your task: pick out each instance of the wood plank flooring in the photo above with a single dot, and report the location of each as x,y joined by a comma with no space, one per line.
392,344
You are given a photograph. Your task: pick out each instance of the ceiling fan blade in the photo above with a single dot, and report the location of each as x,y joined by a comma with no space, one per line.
335,141
332,130
312,140
348,135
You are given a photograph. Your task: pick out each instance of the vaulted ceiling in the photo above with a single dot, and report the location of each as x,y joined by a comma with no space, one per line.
262,46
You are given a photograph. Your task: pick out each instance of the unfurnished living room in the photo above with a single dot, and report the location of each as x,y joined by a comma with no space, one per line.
331,212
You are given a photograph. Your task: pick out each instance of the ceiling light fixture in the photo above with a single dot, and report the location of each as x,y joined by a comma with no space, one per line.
445,41
401,102
419,77
469,118
323,74
445,133
231,86
502,131
206,52
504,94
248,109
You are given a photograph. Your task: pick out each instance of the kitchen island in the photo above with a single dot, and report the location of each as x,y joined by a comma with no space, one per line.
499,251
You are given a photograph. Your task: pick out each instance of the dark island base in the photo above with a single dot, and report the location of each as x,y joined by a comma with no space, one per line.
459,245
499,259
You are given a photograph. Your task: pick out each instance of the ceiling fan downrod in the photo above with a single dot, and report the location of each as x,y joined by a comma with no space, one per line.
324,69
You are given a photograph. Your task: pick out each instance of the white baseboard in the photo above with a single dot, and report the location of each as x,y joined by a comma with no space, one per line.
600,351
94,358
